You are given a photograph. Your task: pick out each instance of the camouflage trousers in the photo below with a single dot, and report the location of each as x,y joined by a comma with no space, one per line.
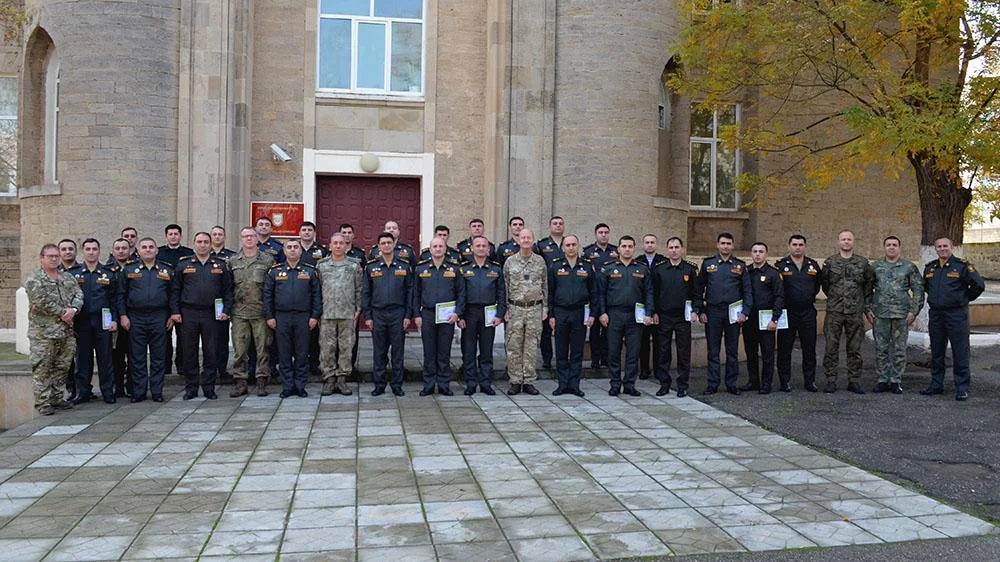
852,328
50,361
890,348
244,332
336,340
523,331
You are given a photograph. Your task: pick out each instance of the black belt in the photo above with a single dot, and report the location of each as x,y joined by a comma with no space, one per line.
524,304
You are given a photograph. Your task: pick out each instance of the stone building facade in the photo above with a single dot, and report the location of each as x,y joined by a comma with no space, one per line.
166,111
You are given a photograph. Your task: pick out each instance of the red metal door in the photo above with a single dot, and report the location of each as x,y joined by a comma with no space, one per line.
367,203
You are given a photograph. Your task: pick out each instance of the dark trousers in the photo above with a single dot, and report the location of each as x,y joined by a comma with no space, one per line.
759,345
122,364
717,327
291,333
146,341
173,356
91,338
314,353
477,338
546,343
622,327
221,347
801,322
673,326
647,347
950,325
199,325
598,344
570,333
437,350
387,334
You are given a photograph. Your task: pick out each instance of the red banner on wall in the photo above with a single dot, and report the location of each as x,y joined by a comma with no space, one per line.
285,217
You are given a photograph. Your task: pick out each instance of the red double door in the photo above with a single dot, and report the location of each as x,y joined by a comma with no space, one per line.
367,202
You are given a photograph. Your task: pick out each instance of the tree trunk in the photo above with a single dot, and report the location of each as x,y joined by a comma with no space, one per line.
943,199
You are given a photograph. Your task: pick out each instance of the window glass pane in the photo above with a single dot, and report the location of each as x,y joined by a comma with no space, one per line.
725,178
727,115
8,96
701,173
371,55
405,71
345,7
701,123
334,53
399,8
8,155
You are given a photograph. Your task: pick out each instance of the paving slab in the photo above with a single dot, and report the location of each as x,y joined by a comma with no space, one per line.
438,478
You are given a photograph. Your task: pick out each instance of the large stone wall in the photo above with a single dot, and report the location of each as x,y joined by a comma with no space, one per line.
985,257
10,264
118,122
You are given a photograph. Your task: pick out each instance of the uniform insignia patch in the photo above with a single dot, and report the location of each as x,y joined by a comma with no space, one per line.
686,278
763,278
400,273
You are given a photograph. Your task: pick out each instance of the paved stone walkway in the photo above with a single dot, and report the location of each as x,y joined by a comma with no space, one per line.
537,478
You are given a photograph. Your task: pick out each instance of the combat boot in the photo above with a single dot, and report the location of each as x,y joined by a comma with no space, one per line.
261,386
239,388
342,386
329,387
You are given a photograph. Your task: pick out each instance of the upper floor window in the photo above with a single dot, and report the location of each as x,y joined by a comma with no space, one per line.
8,136
371,47
714,165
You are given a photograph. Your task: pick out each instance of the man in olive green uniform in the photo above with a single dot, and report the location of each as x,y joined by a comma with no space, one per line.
898,298
341,279
54,298
526,278
848,281
249,267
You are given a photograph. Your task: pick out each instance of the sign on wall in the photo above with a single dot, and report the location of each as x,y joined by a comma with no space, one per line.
285,217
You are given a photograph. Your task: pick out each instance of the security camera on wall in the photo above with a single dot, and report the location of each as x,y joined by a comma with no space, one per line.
280,154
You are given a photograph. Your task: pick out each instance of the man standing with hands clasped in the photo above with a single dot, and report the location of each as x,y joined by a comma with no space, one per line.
439,297
527,290
625,302
848,280
341,279
898,298
572,306
675,294
484,293
293,305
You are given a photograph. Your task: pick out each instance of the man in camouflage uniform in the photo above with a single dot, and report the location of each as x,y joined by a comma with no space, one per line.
898,298
249,267
55,298
341,279
526,278
848,280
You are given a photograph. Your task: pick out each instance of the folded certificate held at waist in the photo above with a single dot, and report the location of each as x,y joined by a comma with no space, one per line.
764,318
443,310
640,313
735,310
489,313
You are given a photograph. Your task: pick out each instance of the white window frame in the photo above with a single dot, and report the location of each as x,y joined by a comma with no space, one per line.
10,187
353,90
52,79
715,141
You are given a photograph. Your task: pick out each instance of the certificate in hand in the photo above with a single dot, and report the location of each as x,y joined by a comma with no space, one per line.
489,313
688,310
106,319
735,310
586,313
219,308
765,318
640,313
442,311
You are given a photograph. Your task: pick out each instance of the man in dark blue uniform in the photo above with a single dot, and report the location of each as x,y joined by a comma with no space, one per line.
600,253
293,306
484,287
386,301
437,282
144,306
647,336
202,294
476,228
171,253
511,246
675,295
220,251
451,254
765,286
550,248
121,251
573,304
95,323
312,252
622,287
950,283
401,251
268,245
801,282
723,282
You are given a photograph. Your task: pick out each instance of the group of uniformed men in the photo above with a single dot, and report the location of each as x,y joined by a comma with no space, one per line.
313,300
